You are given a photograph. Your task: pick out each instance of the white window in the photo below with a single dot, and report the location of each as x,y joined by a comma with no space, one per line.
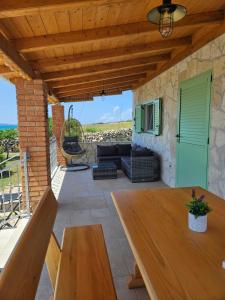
149,117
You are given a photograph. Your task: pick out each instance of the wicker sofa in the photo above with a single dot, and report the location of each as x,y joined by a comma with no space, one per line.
141,169
138,163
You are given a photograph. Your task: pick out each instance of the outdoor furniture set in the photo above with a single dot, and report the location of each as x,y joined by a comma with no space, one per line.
138,163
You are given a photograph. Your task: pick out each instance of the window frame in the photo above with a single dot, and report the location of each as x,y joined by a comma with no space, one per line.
157,128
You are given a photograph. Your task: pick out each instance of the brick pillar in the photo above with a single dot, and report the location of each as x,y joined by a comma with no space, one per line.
57,125
33,134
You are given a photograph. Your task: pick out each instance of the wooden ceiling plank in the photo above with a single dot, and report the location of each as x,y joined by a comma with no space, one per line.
12,8
27,45
98,83
9,51
93,78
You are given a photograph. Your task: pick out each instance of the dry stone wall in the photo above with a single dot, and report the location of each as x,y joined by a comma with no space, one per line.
210,57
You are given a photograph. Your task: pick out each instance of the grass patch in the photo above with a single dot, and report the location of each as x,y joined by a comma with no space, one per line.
99,127
11,177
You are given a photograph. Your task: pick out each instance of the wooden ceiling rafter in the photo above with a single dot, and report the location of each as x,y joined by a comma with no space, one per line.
76,72
75,99
97,56
102,84
91,95
36,43
97,87
14,60
93,78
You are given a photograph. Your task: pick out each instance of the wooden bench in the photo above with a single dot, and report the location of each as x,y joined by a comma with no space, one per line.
79,270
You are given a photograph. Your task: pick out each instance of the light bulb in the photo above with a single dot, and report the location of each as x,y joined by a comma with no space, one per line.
166,23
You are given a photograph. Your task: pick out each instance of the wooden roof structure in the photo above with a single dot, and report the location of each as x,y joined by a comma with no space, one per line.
80,47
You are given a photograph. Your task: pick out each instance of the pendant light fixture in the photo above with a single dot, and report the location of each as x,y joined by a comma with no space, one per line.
103,93
165,15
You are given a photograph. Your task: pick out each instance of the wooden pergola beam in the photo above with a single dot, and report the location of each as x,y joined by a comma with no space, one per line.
93,94
15,58
98,56
75,99
105,76
72,73
5,70
43,42
97,87
12,8
98,91
102,83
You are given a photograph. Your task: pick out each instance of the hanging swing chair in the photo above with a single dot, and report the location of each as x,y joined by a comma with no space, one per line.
72,139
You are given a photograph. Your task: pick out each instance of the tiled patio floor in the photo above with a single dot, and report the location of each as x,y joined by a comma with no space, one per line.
85,201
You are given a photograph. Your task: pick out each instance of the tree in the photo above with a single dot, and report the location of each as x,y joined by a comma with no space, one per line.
8,138
2,166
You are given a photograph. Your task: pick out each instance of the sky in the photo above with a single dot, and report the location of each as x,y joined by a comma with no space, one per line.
109,109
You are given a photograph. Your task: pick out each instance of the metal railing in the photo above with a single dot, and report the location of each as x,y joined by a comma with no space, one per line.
53,155
10,191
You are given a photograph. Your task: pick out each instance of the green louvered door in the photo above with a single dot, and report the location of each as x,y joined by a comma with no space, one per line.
193,131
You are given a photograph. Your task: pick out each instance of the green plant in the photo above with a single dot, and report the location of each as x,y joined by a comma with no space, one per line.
197,206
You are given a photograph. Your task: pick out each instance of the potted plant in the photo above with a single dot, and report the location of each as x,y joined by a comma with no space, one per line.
198,209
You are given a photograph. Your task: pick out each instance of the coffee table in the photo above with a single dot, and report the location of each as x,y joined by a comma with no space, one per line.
106,170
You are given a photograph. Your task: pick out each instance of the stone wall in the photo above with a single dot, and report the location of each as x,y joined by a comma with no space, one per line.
211,56
123,134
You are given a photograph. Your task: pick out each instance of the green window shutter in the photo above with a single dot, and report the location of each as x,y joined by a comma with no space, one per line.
139,118
157,116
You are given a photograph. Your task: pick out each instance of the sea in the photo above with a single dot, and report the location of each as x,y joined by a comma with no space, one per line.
7,126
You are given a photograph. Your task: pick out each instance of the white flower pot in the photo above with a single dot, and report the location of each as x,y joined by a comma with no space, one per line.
197,224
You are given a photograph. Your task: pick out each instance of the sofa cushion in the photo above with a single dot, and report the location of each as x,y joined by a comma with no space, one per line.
115,159
124,149
107,150
140,151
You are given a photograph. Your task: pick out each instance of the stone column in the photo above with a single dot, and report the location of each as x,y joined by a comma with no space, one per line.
57,125
33,135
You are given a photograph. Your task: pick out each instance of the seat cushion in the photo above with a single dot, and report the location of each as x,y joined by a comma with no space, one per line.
124,149
115,159
107,150
141,151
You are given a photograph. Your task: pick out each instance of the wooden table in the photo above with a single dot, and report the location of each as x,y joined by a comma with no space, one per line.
174,262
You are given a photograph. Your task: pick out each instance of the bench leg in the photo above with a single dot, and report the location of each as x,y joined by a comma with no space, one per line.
136,280
52,258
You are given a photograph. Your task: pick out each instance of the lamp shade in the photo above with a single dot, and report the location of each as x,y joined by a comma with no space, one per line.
177,10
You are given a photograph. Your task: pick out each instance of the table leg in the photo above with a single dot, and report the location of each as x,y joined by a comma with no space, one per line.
136,280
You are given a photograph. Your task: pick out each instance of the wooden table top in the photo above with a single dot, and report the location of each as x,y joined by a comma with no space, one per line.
175,262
